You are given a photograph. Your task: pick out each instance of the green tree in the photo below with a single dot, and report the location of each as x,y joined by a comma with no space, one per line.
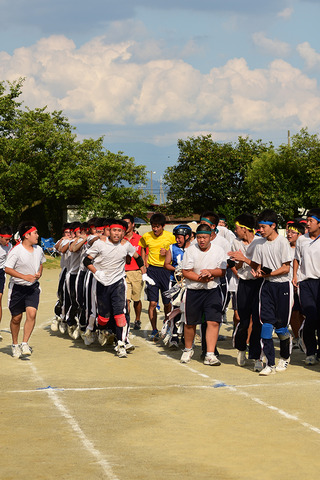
44,168
287,178
211,175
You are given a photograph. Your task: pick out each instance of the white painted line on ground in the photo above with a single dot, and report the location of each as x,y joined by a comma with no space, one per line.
88,445
236,389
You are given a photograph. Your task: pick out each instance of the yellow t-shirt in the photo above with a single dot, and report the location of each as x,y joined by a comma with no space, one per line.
154,244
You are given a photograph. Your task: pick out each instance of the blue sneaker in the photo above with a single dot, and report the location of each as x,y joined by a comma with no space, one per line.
155,336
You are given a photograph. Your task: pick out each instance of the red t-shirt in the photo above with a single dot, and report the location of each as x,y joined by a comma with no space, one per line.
134,240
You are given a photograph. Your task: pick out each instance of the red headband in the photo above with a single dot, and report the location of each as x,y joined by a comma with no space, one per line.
116,225
32,229
76,229
5,236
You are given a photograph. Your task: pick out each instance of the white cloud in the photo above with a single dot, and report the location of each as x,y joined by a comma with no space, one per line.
103,83
286,13
270,46
309,54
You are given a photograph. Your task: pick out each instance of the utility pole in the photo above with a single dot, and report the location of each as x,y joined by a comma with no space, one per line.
161,192
288,138
151,185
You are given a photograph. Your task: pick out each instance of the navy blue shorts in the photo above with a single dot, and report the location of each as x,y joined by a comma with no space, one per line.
111,299
22,296
2,280
296,303
276,300
161,277
203,302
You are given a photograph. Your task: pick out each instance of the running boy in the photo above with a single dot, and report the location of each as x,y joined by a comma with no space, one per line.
307,259
157,242
24,265
203,264
271,260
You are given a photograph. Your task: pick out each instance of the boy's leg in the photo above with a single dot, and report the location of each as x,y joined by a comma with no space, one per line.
15,327
308,299
153,314
189,333
212,335
0,312
31,314
267,316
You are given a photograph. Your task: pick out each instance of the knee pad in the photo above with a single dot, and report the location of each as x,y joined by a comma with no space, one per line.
103,320
120,320
283,333
266,331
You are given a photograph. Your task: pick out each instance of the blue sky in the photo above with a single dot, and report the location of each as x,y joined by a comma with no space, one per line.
146,73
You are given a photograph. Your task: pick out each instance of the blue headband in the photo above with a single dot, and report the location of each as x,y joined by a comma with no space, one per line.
206,220
316,218
265,222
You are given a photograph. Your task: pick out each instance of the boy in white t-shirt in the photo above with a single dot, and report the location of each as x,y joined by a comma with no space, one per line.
24,265
307,259
106,260
5,247
271,260
203,264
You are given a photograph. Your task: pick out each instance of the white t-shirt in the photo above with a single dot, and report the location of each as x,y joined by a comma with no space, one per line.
111,258
196,260
23,261
308,255
75,258
65,257
4,250
247,249
273,254
226,233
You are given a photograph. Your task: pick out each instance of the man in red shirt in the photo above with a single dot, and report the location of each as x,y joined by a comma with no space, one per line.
133,272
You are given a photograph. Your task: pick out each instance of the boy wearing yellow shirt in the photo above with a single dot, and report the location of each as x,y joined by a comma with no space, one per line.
157,242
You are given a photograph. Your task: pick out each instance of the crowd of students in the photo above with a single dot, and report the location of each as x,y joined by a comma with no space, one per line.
273,281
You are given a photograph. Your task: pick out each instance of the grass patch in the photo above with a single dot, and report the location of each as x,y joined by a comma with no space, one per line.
52,262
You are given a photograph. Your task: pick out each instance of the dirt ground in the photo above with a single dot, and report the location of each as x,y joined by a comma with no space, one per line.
76,412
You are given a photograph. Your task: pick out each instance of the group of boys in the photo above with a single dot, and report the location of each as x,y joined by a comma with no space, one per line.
104,260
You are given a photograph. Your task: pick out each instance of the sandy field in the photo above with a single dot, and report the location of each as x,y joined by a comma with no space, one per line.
76,412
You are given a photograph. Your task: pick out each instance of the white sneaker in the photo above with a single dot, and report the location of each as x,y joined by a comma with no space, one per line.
173,344
268,371
88,337
129,347
25,349
62,327
311,360
16,351
282,364
258,365
102,337
121,350
54,327
186,355
1,337
73,332
241,358
211,359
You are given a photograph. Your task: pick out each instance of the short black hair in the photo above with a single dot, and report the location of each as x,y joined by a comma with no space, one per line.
119,222
314,212
268,215
128,216
6,230
204,228
296,226
158,219
25,226
247,220
213,217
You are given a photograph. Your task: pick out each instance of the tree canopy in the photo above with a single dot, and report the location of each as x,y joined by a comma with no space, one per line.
44,168
211,175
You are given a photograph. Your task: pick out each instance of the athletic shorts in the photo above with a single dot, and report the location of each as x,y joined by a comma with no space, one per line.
276,299
22,296
203,302
2,280
134,285
161,277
